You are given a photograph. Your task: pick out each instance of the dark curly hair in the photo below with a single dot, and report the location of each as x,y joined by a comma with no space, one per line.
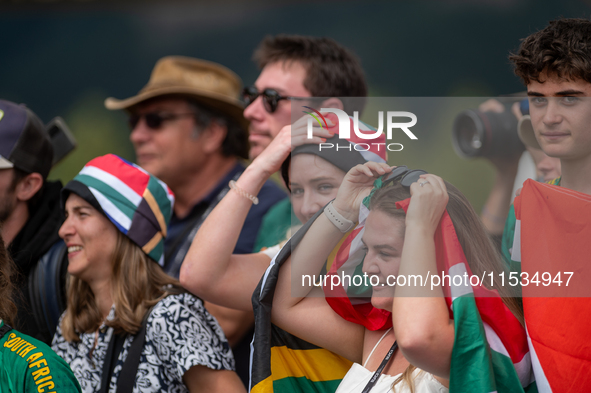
562,49
7,306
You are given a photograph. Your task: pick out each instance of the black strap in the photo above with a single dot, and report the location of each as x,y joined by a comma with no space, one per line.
175,255
127,375
47,283
115,347
376,375
4,329
126,379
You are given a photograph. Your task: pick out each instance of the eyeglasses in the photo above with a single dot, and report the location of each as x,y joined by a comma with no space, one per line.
271,97
404,175
154,120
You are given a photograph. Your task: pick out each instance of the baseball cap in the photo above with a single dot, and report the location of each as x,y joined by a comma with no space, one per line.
24,144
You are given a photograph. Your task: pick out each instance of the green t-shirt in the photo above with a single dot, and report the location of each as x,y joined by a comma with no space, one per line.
28,365
275,225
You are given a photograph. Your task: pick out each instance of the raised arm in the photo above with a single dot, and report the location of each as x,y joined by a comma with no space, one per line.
203,379
424,332
300,308
210,270
496,207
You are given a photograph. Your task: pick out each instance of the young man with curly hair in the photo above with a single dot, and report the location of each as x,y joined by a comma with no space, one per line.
555,65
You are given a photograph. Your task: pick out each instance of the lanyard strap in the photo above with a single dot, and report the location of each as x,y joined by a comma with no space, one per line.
175,255
376,375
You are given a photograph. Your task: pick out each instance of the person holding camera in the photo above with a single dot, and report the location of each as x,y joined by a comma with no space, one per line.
510,171
29,209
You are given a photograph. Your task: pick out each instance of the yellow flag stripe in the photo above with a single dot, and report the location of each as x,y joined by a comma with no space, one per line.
315,364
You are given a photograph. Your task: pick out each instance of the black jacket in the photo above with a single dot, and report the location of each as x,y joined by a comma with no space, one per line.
35,239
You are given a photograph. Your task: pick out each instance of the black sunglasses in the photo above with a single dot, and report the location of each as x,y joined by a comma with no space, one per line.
271,97
404,175
154,120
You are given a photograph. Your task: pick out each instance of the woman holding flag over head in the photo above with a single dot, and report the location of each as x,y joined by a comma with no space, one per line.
410,338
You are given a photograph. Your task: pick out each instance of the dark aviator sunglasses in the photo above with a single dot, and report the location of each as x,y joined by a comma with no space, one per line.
271,97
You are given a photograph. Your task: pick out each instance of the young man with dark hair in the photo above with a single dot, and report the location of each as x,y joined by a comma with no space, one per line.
294,66
331,69
31,216
555,65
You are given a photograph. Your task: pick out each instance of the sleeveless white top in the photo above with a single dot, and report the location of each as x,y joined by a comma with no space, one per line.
358,376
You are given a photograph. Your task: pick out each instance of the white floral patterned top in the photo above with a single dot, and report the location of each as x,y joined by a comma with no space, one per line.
180,334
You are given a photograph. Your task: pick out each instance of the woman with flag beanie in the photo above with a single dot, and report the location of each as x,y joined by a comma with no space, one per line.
128,326
411,224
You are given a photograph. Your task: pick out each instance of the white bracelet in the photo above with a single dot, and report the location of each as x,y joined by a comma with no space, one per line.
243,193
337,219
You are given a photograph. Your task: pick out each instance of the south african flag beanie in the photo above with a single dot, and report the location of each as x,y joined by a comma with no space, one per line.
137,203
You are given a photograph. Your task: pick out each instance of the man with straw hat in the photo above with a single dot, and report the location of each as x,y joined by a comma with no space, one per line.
187,129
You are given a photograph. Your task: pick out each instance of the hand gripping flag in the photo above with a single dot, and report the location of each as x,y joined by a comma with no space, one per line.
490,352
281,362
551,242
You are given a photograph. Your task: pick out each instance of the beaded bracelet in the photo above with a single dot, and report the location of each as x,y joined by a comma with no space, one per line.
243,193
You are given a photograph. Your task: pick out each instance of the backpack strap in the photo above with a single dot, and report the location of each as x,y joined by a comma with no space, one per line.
132,362
47,284
113,351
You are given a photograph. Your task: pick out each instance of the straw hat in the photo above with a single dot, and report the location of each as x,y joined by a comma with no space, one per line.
208,83
526,132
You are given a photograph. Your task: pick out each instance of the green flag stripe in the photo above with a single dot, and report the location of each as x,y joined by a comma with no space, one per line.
161,197
303,384
123,204
471,368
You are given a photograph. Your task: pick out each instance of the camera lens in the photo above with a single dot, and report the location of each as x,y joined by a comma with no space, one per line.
486,134
468,134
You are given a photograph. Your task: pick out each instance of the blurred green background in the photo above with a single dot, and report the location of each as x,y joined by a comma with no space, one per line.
63,58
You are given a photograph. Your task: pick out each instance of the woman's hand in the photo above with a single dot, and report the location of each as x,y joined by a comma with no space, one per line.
270,159
427,203
290,137
299,132
356,185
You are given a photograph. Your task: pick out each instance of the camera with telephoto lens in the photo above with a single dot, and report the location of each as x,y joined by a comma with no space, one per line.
486,134
62,140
